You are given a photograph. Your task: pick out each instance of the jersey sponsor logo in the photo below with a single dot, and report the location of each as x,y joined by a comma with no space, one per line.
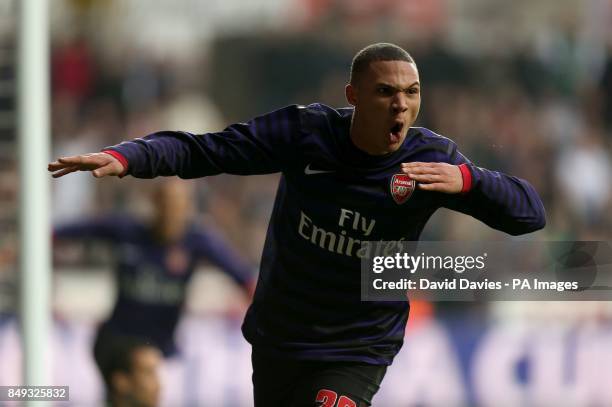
341,242
402,188
310,171
359,243
150,285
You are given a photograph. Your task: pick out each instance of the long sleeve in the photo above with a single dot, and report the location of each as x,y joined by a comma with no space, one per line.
211,247
504,202
100,228
264,145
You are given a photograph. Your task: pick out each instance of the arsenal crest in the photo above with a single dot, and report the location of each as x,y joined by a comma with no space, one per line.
401,188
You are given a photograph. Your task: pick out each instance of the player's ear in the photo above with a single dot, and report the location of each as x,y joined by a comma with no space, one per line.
351,94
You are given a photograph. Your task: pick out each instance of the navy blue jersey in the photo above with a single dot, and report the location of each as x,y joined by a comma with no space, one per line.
332,199
151,276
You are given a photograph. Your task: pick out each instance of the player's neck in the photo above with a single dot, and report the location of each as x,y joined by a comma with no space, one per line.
359,136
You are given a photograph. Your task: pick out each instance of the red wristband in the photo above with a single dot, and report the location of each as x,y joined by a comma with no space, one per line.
466,175
121,159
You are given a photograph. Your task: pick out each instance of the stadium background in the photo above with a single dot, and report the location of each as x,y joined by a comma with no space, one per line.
522,86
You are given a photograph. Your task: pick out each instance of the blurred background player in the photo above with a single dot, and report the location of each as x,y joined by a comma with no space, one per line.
154,264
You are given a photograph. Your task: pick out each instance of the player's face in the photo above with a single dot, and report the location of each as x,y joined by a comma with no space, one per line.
387,99
144,377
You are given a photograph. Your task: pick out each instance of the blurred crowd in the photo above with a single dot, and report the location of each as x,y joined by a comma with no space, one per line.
536,108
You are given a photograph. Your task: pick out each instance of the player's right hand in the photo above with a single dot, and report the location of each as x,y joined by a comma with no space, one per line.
100,164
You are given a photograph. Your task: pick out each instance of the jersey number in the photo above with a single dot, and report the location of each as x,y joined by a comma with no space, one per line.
327,398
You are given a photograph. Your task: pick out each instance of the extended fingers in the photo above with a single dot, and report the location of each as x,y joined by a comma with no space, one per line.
74,163
426,177
419,166
428,168
75,159
84,159
64,171
56,165
423,172
423,168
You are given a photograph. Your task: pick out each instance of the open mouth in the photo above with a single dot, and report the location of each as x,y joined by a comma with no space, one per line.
395,132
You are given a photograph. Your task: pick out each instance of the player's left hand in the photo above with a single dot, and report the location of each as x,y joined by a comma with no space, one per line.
439,177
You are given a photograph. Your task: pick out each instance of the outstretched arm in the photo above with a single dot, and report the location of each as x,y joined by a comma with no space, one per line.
209,245
98,228
264,145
